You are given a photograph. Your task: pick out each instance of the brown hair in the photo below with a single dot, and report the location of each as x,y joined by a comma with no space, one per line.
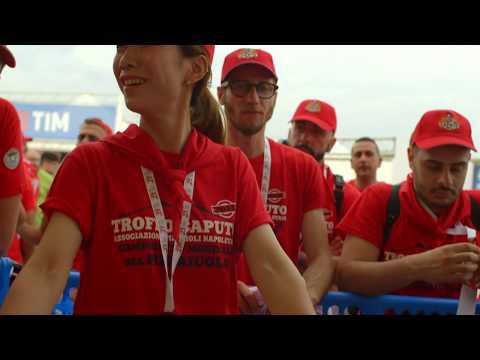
206,115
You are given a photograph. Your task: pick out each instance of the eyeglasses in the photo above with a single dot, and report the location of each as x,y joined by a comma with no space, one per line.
242,88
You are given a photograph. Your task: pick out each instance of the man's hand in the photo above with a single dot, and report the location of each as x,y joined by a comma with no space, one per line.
452,264
247,300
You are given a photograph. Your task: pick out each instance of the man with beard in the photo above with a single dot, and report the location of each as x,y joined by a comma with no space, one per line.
287,177
365,161
313,131
423,248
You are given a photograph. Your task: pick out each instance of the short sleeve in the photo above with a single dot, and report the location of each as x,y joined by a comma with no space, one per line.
351,195
11,169
251,212
72,192
366,218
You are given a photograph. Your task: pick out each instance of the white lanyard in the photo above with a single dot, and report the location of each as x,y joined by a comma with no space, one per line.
468,296
157,208
267,168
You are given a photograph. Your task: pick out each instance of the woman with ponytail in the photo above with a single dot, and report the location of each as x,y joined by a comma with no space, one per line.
163,210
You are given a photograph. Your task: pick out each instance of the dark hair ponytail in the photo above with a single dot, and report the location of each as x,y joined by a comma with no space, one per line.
206,115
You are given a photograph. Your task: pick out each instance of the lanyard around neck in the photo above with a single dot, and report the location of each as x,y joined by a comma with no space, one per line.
159,214
267,168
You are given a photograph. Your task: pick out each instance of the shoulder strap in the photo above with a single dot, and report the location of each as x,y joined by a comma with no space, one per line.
475,213
339,193
393,212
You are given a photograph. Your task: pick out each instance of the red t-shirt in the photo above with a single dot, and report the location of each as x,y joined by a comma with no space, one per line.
350,195
354,184
293,191
415,230
124,271
29,204
11,148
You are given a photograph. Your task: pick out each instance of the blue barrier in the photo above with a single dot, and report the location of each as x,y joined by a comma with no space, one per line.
6,266
336,303
63,307
339,303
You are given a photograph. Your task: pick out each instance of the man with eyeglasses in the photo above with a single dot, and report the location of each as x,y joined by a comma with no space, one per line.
12,175
93,129
288,178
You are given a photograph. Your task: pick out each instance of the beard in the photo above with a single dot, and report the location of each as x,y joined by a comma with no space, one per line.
308,150
247,128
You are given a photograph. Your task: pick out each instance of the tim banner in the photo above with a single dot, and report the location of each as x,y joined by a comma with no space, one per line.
60,122
476,176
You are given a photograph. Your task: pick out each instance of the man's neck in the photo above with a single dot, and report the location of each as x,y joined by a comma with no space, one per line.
169,129
363,182
252,146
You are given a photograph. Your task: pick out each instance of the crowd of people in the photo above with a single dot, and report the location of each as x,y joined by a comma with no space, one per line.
196,211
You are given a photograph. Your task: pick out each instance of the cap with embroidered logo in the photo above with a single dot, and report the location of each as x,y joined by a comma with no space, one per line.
248,56
443,127
317,112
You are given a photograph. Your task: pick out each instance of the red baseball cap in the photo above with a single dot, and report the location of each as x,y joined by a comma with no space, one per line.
318,112
7,56
248,56
210,51
443,127
102,124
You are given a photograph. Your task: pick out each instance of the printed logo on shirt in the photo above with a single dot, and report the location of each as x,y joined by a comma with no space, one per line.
209,243
330,221
11,160
449,123
275,196
225,209
276,207
144,228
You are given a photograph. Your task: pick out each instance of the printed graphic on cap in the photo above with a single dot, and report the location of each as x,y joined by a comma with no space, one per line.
225,209
12,159
449,123
275,196
313,107
247,54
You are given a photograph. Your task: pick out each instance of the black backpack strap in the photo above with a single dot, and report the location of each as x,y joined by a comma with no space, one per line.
339,194
393,212
475,213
